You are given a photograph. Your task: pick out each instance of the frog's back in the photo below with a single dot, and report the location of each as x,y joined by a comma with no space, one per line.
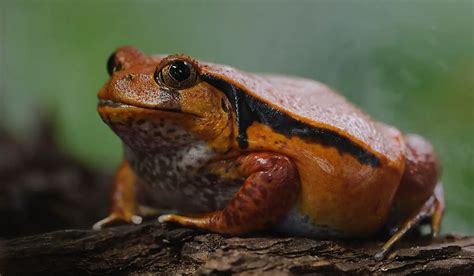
315,106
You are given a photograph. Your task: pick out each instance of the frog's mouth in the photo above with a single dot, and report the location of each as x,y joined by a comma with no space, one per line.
114,104
110,103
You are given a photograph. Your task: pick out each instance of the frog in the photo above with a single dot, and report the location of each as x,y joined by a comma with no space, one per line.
232,152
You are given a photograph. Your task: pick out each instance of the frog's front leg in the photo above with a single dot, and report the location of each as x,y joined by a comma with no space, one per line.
270,190
124,204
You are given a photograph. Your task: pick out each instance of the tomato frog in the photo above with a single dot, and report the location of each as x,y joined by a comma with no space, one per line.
233,152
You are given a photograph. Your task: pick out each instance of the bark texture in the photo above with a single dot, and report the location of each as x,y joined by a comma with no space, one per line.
153,247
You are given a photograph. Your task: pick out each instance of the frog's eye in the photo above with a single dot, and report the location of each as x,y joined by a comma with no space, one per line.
177,74
113,65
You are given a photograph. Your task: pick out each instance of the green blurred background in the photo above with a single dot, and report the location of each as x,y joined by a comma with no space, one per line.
407,63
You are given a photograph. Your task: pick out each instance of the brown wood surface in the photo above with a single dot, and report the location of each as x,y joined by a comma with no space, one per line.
152,247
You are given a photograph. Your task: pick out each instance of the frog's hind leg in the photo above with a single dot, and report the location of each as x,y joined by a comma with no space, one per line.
419,195
269,192
432,208
438,210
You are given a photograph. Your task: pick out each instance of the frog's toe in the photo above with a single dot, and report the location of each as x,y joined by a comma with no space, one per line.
103,223
196,222
136,219
114,220
181,220
166,218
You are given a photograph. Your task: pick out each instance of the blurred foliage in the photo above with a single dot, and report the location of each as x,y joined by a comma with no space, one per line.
407,63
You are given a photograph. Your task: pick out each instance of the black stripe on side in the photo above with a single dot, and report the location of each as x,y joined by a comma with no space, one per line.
249,109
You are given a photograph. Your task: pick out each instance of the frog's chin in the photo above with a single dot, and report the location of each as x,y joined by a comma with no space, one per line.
105,104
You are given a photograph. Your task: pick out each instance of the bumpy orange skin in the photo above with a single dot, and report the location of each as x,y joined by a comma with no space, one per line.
351,176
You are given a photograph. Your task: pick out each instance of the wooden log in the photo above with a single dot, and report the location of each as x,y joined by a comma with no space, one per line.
153,247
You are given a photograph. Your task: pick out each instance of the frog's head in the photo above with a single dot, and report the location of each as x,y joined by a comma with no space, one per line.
149,98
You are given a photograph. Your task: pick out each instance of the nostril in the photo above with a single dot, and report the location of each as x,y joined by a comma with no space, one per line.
130,77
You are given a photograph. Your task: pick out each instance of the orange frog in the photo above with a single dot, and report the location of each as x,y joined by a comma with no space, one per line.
234,152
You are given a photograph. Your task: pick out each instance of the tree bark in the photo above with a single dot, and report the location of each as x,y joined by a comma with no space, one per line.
154,247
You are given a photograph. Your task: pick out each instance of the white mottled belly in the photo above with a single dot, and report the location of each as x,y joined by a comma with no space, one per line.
174,168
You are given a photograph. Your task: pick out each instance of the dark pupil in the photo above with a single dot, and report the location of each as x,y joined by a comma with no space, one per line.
112,65
180,71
